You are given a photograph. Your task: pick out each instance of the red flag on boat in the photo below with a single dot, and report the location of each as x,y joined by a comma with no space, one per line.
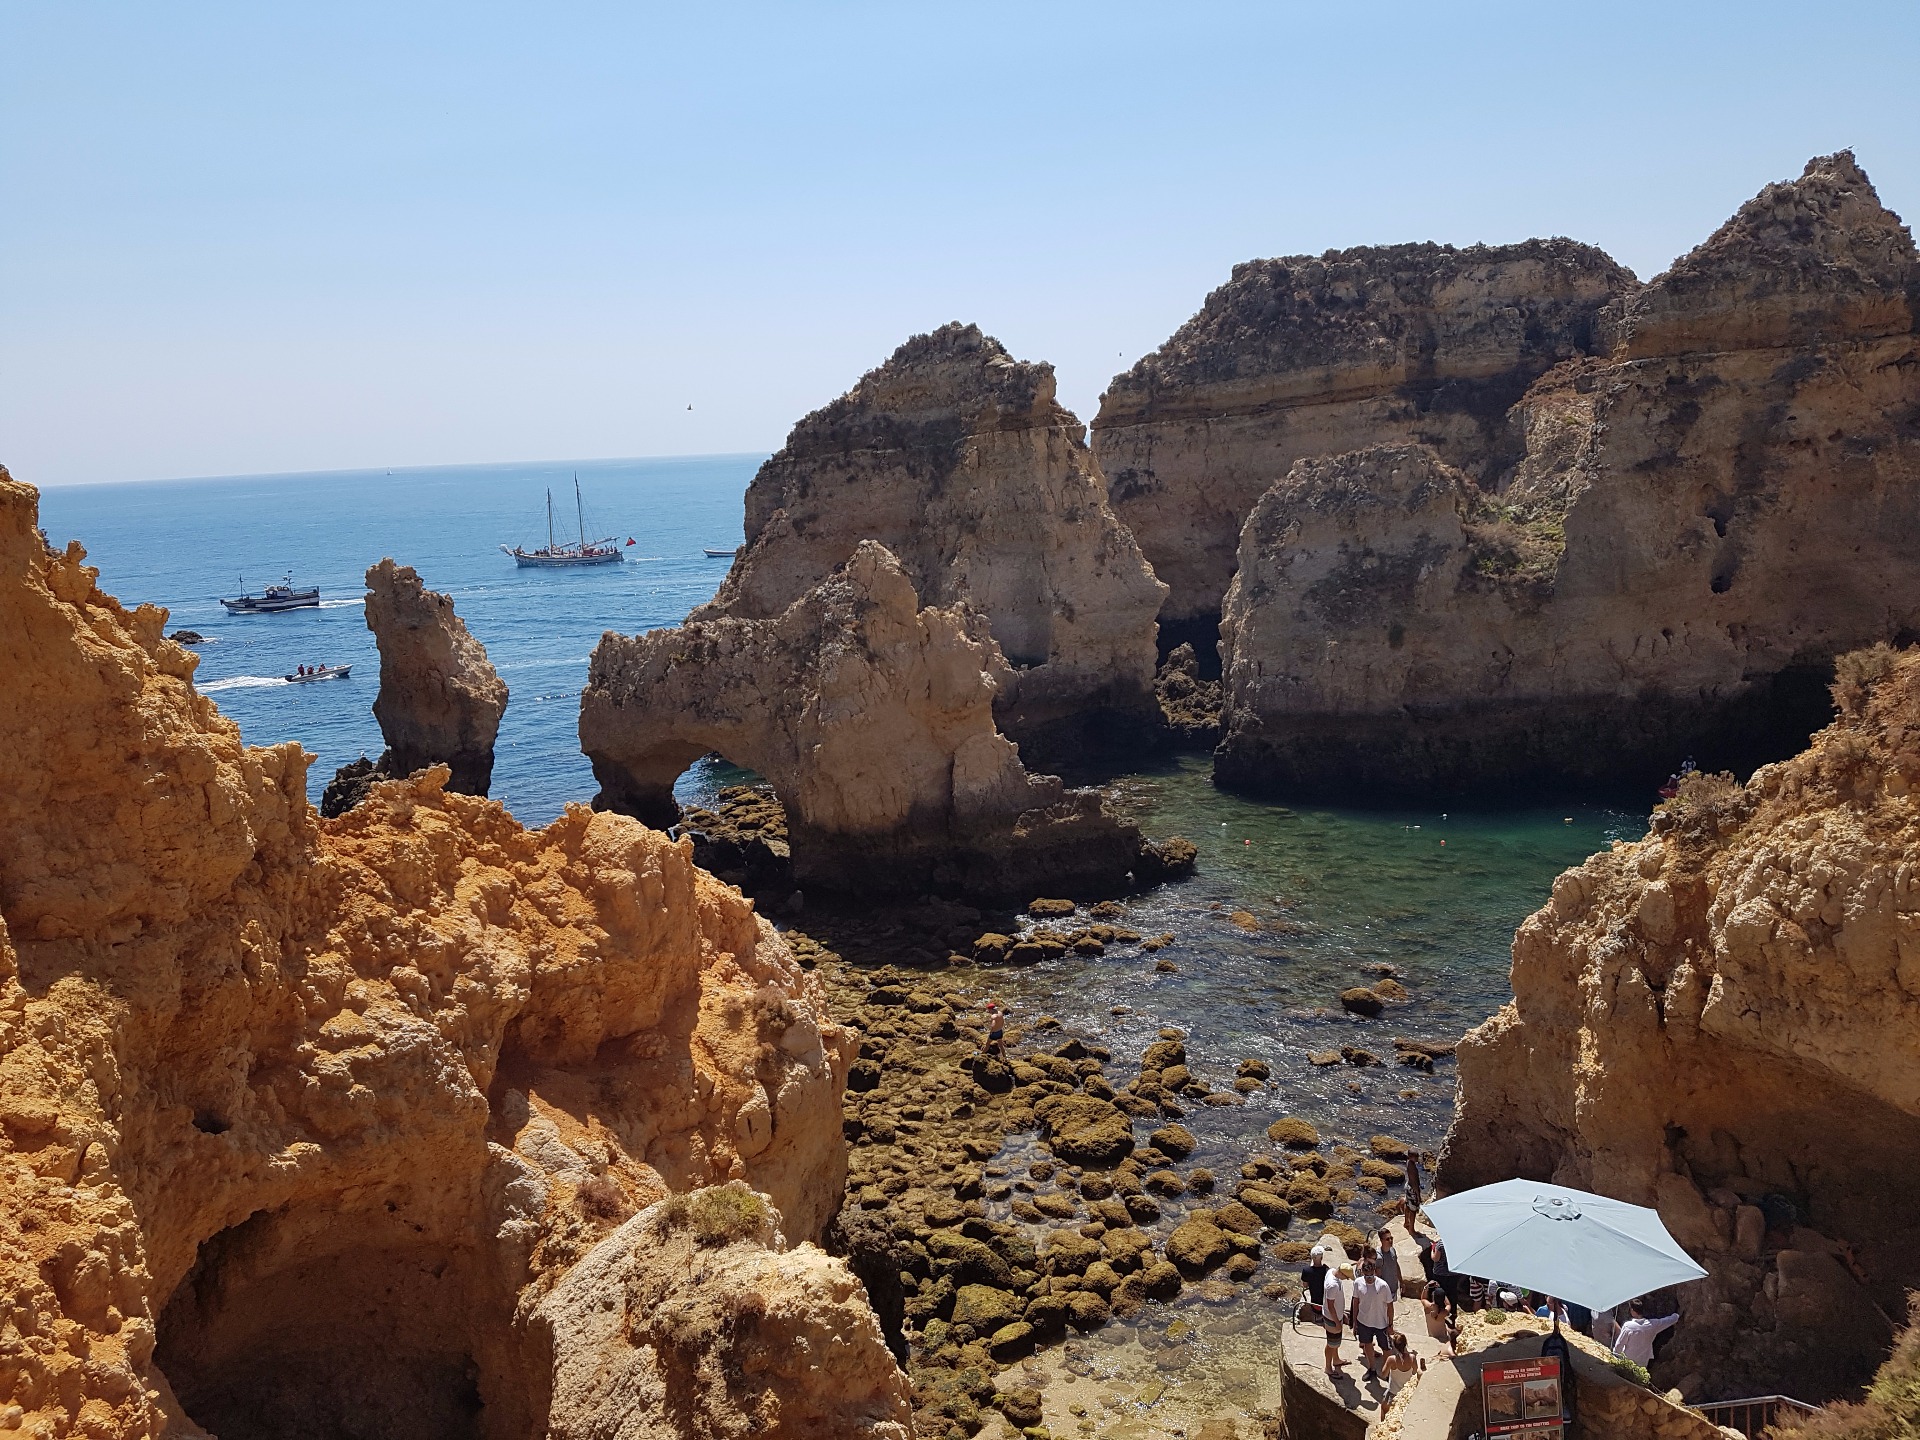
632,541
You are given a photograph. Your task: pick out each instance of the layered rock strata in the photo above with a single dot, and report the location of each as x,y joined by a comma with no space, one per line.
440,698
300,1119
1723,1020
958,459
1317,355
873,720
1696,525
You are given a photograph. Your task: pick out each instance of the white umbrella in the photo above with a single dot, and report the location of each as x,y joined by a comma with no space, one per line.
1577,1247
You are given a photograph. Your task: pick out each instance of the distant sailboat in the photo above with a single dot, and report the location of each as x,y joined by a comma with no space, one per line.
604,551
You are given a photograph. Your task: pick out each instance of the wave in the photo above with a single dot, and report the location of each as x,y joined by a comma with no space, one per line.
241,682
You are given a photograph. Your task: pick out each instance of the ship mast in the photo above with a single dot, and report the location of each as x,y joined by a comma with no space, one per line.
579,513
549,519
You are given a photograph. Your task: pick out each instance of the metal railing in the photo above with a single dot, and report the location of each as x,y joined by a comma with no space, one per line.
1752,1416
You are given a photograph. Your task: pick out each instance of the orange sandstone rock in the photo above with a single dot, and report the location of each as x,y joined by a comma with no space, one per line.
299,1118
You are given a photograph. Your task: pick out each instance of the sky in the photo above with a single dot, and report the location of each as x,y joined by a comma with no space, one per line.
244,238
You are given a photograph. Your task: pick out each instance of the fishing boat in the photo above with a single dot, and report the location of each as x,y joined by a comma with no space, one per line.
321,672
275,598
722,554
604,551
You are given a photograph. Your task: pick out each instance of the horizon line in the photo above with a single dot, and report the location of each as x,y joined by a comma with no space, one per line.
389,469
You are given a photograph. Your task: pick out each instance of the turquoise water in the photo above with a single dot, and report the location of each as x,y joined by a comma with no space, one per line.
183,544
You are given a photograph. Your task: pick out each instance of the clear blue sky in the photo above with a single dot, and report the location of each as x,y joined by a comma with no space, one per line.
270,237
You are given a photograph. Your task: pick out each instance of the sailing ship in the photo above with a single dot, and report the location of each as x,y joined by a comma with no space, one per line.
604,551
318,672
275,598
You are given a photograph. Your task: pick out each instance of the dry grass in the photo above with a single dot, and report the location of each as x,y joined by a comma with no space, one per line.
718,1215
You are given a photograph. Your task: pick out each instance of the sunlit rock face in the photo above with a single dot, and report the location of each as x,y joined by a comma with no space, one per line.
1723,1021
299,1118
959,460
1317,355
1693,525
873,719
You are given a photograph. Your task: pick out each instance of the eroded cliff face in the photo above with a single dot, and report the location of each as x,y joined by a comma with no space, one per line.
1723,1020
299,1119
440,698
959,460
1318,355
1695,526
874,720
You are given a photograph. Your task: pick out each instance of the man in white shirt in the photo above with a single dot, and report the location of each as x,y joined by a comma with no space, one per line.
1372,1315
1333,1309
1636,1336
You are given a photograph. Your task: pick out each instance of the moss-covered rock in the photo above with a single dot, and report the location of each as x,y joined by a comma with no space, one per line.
1294,1133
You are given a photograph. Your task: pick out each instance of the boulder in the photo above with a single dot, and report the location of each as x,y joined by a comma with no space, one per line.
1176,1142
985,1308
1085,1130
1294,1133
1197,1246
1361,1001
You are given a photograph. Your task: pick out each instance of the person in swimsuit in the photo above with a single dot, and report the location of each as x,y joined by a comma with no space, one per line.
996,1030
1399,1366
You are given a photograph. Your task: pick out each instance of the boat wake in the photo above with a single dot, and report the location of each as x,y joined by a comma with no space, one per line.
241,682
342,604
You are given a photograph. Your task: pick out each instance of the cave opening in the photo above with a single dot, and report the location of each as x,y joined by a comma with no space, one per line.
311,1325
738,825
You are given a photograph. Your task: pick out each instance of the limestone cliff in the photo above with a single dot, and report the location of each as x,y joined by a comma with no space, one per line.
299,1119
958,459
873,720
440,699
1317,355
1695,526
1723,1020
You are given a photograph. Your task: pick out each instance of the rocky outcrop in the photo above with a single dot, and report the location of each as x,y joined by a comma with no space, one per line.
873,720
300,1119
1318,355
1696,525
641,1352
958,459
1723,1020
440,699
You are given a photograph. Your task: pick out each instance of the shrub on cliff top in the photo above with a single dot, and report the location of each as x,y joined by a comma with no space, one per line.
718,1215
1856,673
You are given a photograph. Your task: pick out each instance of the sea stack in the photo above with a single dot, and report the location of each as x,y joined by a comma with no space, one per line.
959,460
873,720
440,698
1721,1020
1317,355
305,1123
1694,525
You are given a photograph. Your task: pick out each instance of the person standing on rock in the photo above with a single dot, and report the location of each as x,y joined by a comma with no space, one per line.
1412,1201
1372,1315
1314,1277
1390,1263
1333,1311
996,1030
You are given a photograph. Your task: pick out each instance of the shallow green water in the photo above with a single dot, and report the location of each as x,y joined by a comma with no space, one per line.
1336,894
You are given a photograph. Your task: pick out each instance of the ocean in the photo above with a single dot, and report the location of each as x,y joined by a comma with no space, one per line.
183,544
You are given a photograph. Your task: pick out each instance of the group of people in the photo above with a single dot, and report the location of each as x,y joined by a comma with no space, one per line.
1368,1305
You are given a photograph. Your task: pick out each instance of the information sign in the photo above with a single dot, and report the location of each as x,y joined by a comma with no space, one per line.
1522,1397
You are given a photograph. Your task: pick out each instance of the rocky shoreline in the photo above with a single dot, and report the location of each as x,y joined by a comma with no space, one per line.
999,1208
